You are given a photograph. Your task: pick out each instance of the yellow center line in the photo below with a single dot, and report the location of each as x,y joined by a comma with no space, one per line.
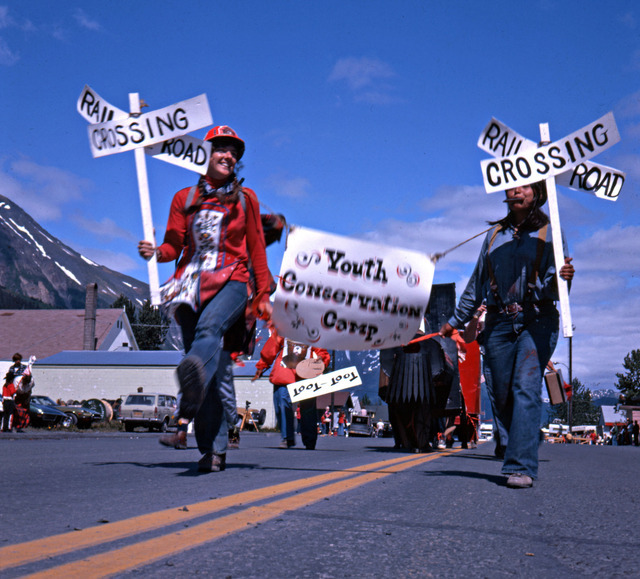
148,551
38,549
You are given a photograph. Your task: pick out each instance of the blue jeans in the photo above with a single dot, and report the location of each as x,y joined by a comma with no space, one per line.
308,422
517,352
500,435
284,412
202,334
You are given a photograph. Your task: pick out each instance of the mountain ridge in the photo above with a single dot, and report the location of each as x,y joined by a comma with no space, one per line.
38,270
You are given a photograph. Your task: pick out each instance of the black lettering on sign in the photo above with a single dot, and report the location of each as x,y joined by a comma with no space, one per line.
370,269
139,134
181,122
503,144
594,179
599,136
560,161
507,170
586,144
168,123
494,180
330,320
94,108
539,158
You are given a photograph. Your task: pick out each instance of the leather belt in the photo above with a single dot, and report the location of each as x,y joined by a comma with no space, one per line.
510,309
516,308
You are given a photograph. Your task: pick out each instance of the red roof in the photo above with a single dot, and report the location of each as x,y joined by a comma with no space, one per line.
43,333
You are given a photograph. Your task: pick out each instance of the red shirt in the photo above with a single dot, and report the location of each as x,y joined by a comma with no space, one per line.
274,350
8,390
238,238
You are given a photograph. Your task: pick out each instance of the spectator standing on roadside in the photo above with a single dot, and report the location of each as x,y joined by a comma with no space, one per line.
10,418
342,420
326,421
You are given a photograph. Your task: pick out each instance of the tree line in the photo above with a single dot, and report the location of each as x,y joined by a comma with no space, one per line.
149,324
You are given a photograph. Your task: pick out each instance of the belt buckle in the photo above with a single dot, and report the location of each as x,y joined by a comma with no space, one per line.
513,308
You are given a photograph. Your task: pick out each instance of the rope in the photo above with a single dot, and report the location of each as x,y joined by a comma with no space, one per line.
438,256
421,338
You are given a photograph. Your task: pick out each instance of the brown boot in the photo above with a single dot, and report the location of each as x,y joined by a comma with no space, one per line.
234,439
211,462
177,440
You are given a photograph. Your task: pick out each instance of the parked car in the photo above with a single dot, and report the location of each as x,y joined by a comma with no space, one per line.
79,416
360,425
47,416
149,409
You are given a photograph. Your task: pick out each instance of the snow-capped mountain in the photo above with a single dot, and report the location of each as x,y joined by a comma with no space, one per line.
36,268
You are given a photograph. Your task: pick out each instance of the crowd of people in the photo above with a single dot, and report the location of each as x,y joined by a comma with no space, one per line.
16,396
624,435
222,282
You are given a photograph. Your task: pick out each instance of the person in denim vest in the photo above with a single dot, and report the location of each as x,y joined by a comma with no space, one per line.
516,275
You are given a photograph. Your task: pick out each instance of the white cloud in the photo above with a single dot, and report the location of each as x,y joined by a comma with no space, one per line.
629,106
628,20
85,21
292,187
360,72
105,228
5,19
614,249
41,191
119,262
7,56
367,78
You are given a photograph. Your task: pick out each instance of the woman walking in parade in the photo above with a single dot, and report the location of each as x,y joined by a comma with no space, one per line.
214,231
516,275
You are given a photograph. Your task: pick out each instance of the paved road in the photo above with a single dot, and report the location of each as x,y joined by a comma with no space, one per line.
93,504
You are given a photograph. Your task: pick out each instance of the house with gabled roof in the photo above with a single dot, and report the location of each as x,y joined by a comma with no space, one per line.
43,333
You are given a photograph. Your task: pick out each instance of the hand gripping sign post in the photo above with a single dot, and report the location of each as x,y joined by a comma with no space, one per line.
159,133
566,160
346,294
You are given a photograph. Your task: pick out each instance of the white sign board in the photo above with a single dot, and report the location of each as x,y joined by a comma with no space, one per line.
97,110
604,182
133,132
532,165
599,180
187,152
346,294
501,141
324,384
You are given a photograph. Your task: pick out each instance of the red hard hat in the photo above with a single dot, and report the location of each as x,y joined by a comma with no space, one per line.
223,133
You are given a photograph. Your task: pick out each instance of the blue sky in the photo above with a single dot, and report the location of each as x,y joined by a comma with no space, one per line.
361,118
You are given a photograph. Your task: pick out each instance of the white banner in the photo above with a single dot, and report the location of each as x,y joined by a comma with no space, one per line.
324,384
346,294
97,110
187,152
531,165
604,182
121,135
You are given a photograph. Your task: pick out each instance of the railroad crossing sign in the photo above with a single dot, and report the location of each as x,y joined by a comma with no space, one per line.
520,161
160,133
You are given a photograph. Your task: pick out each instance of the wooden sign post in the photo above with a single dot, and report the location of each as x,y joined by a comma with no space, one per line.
160,134
145,207
556,236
